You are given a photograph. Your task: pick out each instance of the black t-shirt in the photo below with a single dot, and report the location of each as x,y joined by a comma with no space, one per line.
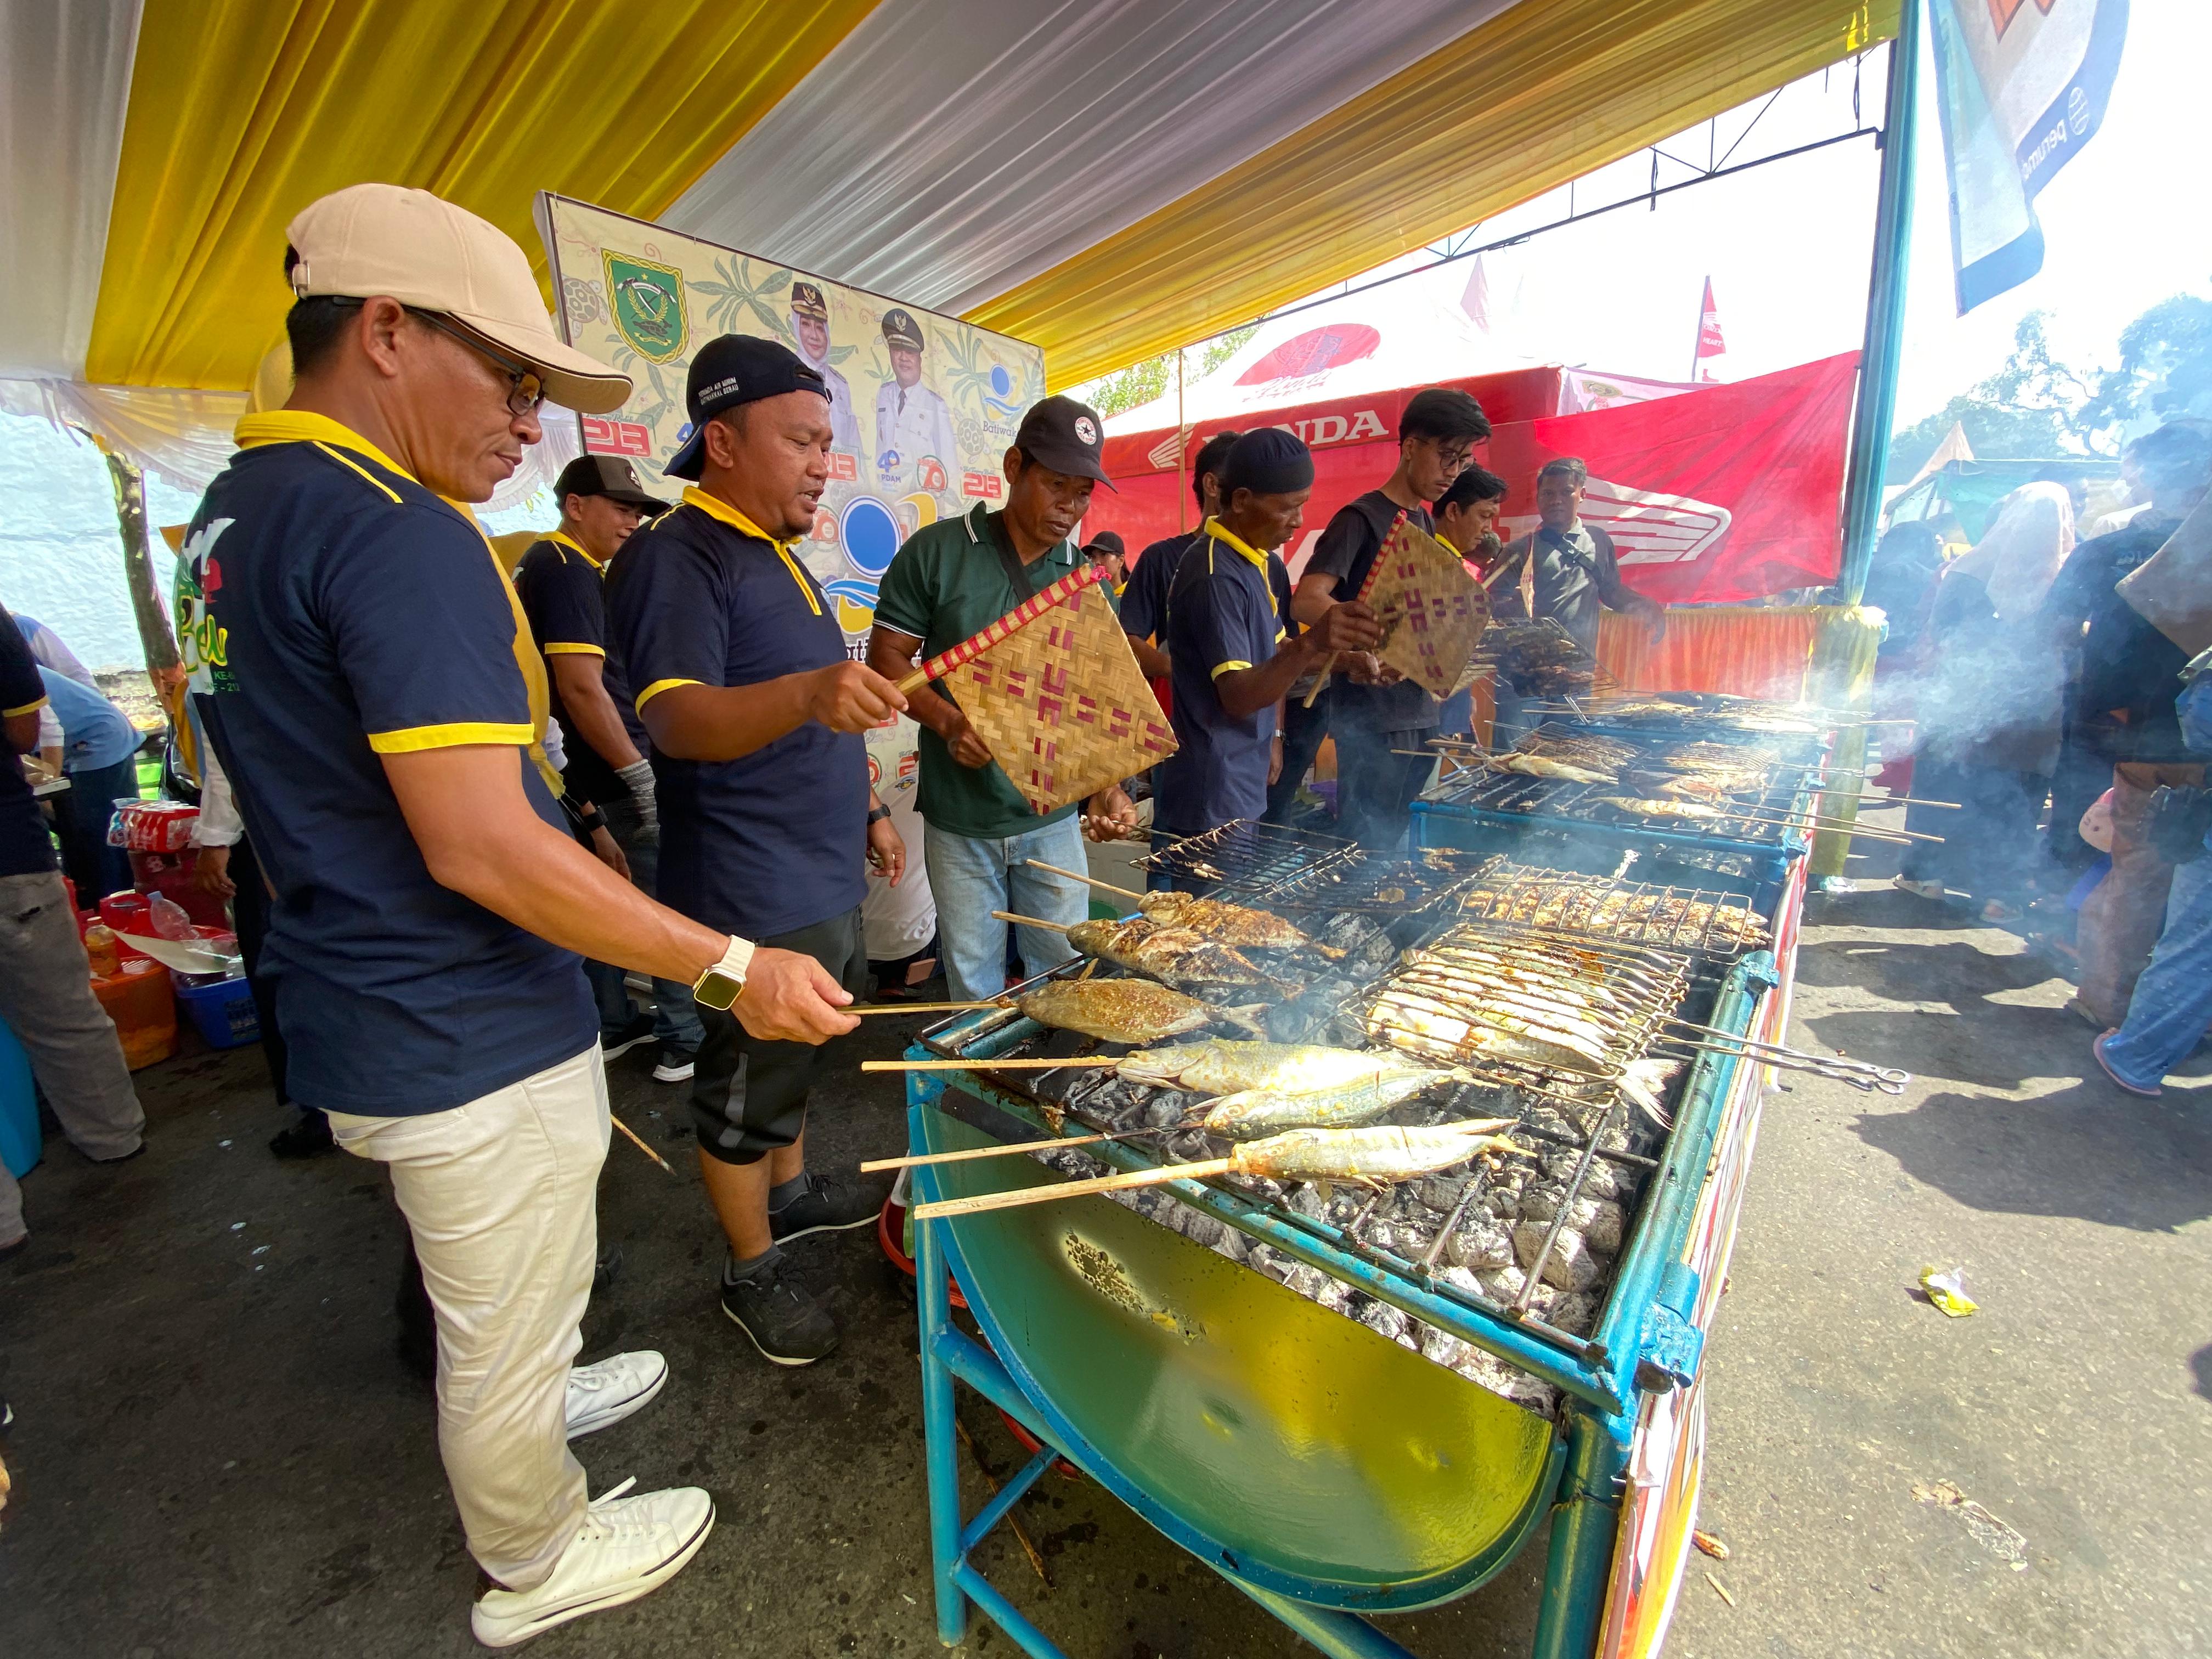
1144,600
1225,614
25,848
1347,550
776,840
332,610
563,593
2122,701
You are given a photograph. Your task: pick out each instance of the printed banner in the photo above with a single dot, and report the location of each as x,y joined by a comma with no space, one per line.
2021,86
923,405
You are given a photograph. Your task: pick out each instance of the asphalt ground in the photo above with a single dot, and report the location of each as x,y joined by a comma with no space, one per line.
216,1452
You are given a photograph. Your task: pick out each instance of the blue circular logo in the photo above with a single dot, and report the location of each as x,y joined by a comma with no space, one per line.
870,534
1001,382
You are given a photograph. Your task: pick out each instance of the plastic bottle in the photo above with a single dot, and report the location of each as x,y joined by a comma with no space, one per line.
169,919
99,946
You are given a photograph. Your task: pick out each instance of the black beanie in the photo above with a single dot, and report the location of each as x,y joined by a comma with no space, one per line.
1269,461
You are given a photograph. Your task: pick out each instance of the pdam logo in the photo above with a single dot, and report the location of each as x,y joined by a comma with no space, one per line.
1648,526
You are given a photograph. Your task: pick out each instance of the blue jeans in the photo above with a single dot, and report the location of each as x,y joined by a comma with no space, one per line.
971,877
676,1017
2173,1001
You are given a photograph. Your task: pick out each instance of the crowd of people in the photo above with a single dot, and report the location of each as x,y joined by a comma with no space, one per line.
2063,732
460,805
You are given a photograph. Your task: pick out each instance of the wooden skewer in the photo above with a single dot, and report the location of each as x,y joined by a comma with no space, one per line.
1031,922
922,1007
1108,886
640,1145
1113,1183
916,1161
1023,1063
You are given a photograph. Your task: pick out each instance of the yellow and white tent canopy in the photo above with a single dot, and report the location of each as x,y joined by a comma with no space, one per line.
1106,178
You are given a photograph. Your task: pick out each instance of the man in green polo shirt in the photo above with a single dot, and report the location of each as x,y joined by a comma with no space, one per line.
950,581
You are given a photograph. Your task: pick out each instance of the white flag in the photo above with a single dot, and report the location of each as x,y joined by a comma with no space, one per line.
2022,86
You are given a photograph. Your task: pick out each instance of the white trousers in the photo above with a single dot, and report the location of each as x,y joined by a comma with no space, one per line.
499,1195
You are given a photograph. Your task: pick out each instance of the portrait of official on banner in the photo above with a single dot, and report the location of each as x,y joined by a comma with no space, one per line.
923,406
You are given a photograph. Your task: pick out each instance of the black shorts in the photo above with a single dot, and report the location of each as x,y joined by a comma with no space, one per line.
748,1095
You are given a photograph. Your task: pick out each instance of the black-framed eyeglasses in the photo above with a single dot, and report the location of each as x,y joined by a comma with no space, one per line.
526,390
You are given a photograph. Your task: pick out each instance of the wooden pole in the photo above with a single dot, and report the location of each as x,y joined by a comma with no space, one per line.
1112,1183
1105,886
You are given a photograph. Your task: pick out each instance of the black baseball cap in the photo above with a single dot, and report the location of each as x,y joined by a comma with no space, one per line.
1067,436
730,370
1106,541
610,475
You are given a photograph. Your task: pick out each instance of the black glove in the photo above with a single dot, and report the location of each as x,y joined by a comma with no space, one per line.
2176,822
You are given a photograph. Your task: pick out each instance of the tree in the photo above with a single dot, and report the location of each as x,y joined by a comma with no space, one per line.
2165,365
1141,383
2034,407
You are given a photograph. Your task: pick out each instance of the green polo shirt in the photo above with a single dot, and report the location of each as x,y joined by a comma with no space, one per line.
947,584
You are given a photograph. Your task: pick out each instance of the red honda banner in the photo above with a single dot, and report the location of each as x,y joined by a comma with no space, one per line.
1710,342
1725,493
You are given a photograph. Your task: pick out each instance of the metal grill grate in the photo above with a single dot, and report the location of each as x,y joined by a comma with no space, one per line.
1589,803
1380,887
1708,922
1250,856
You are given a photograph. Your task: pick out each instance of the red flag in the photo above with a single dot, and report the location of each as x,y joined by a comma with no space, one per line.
1710,344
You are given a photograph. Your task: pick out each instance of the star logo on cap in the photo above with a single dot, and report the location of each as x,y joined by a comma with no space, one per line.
1084,431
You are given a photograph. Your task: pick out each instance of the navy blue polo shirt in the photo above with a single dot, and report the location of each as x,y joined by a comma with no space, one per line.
332,609
776,840
26,850
1144,600
563,593
1222,615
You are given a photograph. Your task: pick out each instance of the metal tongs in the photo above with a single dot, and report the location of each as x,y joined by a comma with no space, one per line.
1859,1073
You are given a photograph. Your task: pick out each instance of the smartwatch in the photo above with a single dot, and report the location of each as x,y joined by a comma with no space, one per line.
877,814
722,984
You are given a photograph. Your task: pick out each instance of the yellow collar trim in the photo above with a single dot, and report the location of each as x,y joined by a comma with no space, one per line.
1258,560
568,541
716,508
300,426
1452,544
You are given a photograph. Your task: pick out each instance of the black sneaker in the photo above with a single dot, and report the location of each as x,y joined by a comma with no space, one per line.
785,1322
614,1044
828,1205
307,1135
675,1064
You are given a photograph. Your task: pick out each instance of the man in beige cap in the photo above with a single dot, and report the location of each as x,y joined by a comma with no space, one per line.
363,669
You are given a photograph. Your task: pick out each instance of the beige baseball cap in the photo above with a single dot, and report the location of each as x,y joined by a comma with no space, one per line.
417,248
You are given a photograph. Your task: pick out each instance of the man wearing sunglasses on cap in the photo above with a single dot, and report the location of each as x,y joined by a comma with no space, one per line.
366,675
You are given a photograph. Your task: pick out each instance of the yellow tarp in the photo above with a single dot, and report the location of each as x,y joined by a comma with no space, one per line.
242,111
1544,92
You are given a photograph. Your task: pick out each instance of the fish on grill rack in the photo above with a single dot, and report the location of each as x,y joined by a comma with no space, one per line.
1178,955
1590,908
1647,806
1134,1011
1376,1155
1230,1067
1543,766
1234,925
1265,1112
1457,1029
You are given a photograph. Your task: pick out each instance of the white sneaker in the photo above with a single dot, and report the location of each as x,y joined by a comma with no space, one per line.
601,1396
628,1548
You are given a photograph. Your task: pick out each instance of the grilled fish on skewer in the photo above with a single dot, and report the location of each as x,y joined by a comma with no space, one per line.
1422,1025
1115,1010
1176,955
1646,807
1483,1005
1223,1068
1234,925
1378,1155
1543,766
1264,1112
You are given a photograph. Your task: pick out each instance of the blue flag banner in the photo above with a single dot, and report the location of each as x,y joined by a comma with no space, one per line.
2022,85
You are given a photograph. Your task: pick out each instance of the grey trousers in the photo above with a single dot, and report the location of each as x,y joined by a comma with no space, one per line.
46,996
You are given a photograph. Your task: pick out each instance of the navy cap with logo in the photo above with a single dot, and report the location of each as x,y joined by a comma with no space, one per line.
1067,436
730,370
901,330
610,475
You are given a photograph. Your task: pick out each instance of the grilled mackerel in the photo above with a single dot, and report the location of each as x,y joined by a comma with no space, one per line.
1234,925
1133,1011
1176,956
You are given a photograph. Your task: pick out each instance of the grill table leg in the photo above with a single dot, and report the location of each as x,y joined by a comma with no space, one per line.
1585,1526
1339,1635
940,1434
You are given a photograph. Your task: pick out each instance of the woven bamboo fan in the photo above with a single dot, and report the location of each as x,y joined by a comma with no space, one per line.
1062,705
1432,611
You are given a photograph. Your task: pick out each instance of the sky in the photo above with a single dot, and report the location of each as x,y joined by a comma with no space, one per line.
1786,246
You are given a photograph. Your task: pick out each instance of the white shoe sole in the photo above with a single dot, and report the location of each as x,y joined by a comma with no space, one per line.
503,1635
867,1220
773,1359
611,1415
674,1074
622,1048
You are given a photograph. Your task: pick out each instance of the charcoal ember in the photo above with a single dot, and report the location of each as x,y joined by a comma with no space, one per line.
1489,1371
1165,1106
1440,1194
1308,1281
1236,1245
1541,1203
1306,1199
1298,1019
1086,1087
1616,1137
1570,1265
1199,1227
1608,1226
1383,1319
1462,1279
1573,1312
1264,1259
1479,1242
1502,1283
1605,1179
1382,1235
1188,1147
1542,1114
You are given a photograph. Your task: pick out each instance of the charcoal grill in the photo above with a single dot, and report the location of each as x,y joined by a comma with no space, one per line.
1247,856
1712,922
1370,886
1507,797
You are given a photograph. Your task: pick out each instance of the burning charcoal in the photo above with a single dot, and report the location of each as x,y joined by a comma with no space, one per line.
1439,1192
1235,1245
1461,1279
1166,1106
1200,1228
1305,1198
1479,1242
1609,1224
1603,1181
1382,1235
1306,1279
1383,1319
1574,1312
1570,1265
1441,1346
1541,1203
1266,1260
1502,1283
